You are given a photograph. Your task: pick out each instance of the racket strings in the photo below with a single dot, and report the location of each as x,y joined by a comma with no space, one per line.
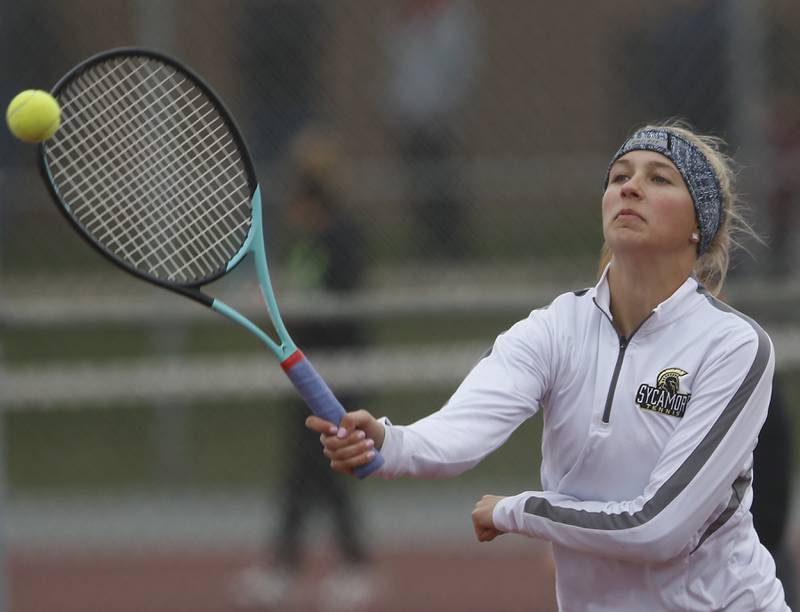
158,180
106,103
68,104
197,238
134,241
207,247
176,274
114,192
195,259
168,168
147,166
212,245
142,164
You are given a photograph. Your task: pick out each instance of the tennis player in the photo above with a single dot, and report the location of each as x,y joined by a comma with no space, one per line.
652,391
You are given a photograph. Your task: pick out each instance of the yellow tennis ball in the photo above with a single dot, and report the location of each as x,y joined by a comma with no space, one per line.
33,115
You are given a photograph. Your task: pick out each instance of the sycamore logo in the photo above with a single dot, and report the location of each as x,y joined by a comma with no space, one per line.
665,397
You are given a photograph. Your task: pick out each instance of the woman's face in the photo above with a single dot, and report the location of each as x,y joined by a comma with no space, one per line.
647,208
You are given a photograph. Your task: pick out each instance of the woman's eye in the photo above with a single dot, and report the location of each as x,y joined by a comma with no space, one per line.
619,178
661,180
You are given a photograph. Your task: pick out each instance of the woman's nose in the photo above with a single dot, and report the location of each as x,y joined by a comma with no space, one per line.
631,189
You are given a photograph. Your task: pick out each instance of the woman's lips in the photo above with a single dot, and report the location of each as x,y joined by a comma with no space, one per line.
627,212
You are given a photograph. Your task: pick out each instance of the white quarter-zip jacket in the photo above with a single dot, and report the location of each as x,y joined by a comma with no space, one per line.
646,453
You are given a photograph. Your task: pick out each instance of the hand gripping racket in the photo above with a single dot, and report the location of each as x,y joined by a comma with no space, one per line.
149,167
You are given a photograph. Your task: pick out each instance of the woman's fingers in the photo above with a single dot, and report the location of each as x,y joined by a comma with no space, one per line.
350,450
482,518
321,426
363,420
334,444
483,533
353,443
347,465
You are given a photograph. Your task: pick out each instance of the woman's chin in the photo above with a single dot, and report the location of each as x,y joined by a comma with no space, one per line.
633,243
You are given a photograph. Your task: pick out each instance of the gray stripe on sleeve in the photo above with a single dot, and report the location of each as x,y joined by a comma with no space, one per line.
737,495
676,483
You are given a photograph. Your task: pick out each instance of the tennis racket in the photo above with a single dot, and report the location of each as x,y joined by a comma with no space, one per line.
149,167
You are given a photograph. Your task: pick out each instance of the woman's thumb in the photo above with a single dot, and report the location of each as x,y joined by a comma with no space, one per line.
352,421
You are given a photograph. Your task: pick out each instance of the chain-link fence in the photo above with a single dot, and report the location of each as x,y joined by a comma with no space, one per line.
432,171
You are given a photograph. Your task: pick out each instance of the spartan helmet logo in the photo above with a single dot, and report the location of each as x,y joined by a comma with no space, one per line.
665,397
670,380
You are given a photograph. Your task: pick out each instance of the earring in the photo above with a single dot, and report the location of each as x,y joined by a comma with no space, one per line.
695,237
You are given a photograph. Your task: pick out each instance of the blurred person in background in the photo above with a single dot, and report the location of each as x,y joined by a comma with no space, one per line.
326,256
653,393
783,120
783,202
278,49
772,493
690,44
773,457
433,51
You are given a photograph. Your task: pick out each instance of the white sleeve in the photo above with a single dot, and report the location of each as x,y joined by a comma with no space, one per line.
696,470
503,390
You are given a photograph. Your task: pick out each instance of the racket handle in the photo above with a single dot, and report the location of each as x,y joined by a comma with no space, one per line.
321,400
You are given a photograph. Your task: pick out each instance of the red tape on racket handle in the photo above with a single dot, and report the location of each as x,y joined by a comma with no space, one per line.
321,400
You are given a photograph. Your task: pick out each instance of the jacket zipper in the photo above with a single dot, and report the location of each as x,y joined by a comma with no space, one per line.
623,345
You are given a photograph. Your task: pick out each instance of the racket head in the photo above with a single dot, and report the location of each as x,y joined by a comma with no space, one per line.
146,142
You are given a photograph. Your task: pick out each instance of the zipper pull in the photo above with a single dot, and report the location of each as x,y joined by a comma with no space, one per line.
623,342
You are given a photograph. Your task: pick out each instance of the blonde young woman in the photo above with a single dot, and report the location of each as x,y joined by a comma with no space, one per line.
652,392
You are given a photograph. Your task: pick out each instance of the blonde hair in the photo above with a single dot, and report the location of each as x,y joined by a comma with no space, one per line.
711,268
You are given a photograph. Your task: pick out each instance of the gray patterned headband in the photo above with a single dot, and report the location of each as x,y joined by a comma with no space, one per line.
697,173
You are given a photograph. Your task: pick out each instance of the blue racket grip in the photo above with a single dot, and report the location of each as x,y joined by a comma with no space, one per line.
321,400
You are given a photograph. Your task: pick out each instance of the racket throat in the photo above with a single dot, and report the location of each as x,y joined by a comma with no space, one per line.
257,246
282,351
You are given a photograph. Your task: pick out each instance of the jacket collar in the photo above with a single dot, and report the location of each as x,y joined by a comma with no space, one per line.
677,305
